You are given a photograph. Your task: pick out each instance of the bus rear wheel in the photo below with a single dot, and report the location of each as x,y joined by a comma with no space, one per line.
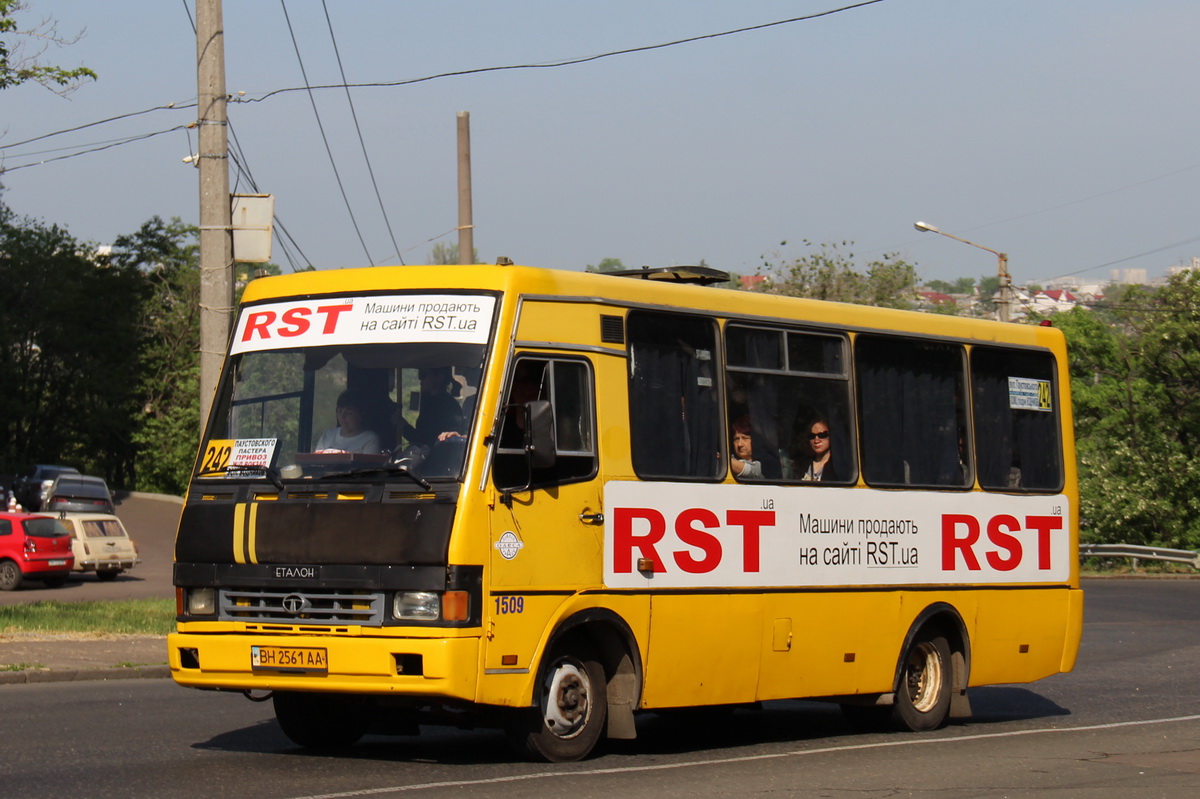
923,696
572,703
321,721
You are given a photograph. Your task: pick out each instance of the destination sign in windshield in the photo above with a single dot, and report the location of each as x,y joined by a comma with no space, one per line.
398,318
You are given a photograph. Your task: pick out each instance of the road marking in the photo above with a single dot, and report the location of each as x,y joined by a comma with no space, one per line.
746,759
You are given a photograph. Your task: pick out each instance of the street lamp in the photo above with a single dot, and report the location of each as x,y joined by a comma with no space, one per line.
1002,304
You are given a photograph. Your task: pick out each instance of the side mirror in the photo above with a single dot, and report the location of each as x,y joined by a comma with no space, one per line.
539,434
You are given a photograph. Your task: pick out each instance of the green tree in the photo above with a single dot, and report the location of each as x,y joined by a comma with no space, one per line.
985,303
828,273
21,50
607,265
963,285
1135,380
447,254
166,257
68,348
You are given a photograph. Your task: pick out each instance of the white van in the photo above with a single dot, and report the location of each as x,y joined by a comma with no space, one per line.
100,543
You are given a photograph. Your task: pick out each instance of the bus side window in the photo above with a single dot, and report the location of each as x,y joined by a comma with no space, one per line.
567,385
675,429
1016,420
911,409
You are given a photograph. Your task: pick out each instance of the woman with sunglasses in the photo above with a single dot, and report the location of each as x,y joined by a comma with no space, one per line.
816,448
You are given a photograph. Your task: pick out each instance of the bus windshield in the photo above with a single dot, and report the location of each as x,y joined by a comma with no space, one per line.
374,396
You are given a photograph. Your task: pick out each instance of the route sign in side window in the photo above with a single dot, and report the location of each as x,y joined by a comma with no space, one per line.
1018,447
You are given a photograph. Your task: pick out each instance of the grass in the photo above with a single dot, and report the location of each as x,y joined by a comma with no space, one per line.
127,617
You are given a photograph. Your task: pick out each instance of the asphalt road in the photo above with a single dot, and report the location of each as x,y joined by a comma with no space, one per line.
1124,725
151,520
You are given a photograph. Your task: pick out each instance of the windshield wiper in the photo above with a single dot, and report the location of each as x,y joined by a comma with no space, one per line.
383,470
265,471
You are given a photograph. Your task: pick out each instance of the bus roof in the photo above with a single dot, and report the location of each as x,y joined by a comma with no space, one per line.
516,280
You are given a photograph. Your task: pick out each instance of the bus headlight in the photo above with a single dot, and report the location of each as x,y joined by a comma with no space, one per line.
201,601
422,605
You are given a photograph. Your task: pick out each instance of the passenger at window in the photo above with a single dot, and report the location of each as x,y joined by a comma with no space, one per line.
350,435
742,464
440,412
815,448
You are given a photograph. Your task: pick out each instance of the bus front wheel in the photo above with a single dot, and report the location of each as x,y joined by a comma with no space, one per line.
923,696
572,703
321,721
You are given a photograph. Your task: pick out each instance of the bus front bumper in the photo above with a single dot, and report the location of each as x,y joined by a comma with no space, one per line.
419,667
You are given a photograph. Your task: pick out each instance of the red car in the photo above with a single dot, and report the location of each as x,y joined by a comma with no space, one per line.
34,547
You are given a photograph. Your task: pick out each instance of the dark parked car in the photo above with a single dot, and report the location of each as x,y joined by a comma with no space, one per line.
34,547
78,493
32,487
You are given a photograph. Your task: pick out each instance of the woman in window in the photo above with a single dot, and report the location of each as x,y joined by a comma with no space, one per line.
813,450
742,463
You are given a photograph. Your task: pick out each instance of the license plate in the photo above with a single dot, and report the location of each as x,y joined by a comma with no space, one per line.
56,562
289,658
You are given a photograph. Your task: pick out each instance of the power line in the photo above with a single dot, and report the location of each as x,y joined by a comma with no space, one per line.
117,143
345,85
168,106
329,151
358,129
1130,257
555,64
238,157
286,242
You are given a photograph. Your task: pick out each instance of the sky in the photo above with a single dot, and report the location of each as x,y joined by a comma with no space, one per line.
1061,132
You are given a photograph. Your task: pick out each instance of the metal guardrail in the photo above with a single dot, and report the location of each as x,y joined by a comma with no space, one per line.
1137,553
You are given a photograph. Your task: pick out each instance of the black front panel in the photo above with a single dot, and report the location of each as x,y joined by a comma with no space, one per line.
205,533
351,532
316,532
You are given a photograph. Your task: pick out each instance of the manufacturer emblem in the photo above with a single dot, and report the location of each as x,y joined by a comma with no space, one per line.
295,604
509,545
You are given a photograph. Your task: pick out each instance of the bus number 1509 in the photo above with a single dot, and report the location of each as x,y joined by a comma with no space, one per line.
510,604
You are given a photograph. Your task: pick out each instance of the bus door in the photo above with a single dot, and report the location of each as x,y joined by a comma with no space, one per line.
547,519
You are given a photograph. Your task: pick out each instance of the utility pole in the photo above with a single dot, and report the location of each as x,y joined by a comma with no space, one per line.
466,229
216,238
1004,303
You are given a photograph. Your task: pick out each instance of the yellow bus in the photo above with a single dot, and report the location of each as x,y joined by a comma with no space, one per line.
550,500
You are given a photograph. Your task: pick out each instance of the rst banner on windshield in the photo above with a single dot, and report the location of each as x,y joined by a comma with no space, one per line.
389,319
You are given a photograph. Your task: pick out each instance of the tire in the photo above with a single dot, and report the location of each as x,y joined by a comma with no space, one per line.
57,581
107,575
321,721
571,707
923,696
10,576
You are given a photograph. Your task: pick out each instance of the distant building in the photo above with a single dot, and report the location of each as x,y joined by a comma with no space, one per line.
1191,266
1133,277
1052,301
935,298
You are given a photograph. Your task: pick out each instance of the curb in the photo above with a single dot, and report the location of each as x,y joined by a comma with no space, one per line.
83,675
